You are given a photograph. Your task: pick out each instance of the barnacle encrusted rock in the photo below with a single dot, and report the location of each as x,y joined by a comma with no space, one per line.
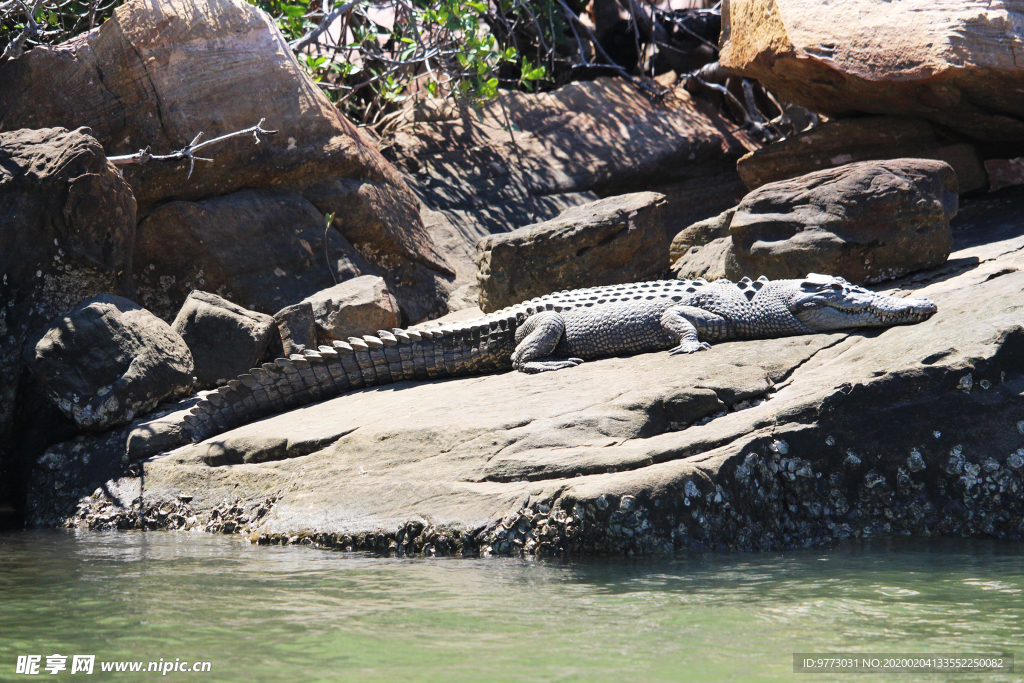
67,224
109,360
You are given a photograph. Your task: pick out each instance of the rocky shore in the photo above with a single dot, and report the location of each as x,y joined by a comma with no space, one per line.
753,445
139,290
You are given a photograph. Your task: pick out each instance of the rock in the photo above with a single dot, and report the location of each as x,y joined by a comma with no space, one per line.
700,233
955,64
701,249
109,360
867,221
1004,173
610,241
708,261
235,246
755,445
298,328
407,255
224,338
353,308
155,74
67,224
847,140
465,297
585,140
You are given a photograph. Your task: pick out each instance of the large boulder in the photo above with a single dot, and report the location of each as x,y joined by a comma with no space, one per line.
843,141
526,157
67,224
359,306
611,241
156,74
868,221
756,445
954,63
109,360
224,338
264,249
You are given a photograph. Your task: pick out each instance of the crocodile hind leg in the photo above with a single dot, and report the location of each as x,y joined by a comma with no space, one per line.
688,324
536,340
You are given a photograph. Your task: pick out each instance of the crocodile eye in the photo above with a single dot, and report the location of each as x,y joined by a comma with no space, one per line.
836,286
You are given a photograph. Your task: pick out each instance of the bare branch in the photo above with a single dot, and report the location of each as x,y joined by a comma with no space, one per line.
654,91
13,49
325,23
189,152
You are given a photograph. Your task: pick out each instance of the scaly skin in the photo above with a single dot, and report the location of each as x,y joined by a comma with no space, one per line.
553,332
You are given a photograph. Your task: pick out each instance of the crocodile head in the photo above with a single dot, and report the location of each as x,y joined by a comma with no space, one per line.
824,302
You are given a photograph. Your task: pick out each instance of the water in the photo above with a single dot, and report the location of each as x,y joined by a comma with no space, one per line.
296,614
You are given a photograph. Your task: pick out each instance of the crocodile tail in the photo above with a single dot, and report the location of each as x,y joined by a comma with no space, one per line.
421,352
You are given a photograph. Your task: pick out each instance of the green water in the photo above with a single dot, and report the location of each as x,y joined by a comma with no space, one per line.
296,614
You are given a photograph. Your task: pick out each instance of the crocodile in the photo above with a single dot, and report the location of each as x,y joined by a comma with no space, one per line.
553,332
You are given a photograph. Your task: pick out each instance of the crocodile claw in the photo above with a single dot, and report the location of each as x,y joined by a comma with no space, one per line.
690,347
533,367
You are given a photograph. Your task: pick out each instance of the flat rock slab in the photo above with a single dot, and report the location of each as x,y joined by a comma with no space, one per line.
464,450
757,445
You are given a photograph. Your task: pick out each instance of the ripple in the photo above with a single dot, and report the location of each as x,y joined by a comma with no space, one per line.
286,614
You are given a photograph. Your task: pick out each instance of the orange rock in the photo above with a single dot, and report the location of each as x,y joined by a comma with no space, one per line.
955,63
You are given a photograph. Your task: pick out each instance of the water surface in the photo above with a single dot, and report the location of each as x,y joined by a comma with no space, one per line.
296,614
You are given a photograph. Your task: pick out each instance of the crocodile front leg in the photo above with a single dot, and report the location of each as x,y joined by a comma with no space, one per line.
536,340
688,324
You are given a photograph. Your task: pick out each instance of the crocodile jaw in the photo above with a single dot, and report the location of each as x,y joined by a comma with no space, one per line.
836,304
882,314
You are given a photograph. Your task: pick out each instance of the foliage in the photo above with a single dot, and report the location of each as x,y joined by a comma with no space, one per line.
371,56
26,23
